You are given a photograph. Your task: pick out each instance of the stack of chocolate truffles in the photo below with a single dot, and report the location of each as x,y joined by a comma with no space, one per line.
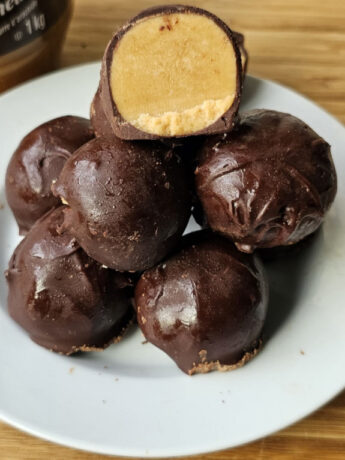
103,203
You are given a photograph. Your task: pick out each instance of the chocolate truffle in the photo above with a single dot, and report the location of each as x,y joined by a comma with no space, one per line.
66,301
151,85
99,122
37,163
268,183
205,306
129,201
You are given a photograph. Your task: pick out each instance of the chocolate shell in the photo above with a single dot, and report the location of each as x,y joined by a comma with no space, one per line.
268,183
66,301
37,163
129,202
150,84
205,306
243,51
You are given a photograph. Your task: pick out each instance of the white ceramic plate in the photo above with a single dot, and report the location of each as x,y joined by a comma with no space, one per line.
131,399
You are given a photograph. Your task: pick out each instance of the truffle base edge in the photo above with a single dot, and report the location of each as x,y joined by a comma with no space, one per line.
205,366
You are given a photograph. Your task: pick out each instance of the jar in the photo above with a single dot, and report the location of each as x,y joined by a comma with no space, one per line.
31,37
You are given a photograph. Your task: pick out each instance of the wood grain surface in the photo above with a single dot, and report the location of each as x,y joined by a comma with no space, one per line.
300,43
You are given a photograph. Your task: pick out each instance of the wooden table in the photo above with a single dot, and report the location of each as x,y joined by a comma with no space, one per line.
300,43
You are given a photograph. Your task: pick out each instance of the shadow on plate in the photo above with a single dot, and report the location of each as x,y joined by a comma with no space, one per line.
8,234
132,357
251,88
287,270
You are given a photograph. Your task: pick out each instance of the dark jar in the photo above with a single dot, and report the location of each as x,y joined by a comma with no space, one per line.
31,37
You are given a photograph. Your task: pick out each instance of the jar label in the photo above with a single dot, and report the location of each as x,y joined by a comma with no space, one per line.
21,21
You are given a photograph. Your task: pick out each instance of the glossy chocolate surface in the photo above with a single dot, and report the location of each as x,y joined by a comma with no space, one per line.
65,300
268,183
37,162
129,201
205,306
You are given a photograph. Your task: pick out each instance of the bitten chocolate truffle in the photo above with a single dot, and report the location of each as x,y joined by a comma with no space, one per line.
151,85
205,306
129,201
66,301
37,163
268,183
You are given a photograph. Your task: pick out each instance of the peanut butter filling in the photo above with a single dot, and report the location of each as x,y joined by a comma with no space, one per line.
174,74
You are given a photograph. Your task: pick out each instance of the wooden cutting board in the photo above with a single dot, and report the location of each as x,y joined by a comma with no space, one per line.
299,43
